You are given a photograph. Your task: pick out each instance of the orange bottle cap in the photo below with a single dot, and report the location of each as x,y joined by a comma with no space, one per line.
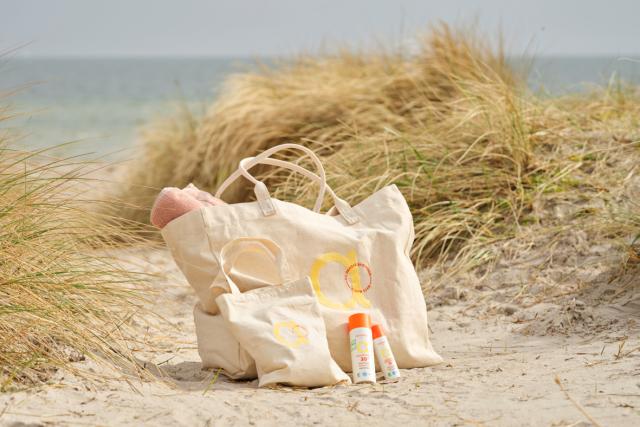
376,331
359,320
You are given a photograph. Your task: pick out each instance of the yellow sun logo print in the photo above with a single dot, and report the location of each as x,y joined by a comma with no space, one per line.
290,334
352,277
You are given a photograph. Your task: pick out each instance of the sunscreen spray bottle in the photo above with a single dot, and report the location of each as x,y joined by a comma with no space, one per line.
361,340
384,355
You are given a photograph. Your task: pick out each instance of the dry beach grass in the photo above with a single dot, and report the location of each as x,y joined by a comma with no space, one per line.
453,126
62,296
313,100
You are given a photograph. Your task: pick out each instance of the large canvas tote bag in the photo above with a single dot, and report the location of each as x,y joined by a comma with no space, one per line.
356,257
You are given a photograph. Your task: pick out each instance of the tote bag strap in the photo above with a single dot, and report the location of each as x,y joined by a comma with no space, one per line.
249,162
341,205
262,193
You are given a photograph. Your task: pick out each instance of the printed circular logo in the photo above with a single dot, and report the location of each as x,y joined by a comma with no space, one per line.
354,270
290,334
352,273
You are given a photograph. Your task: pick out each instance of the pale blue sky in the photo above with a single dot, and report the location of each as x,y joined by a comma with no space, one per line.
277,27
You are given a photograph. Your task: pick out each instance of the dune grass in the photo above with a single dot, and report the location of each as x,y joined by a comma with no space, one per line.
310,99
453,126
62,296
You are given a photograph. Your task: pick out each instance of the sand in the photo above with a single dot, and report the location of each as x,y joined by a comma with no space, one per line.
507,330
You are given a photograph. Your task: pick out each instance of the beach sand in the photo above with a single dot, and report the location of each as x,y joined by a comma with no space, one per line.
504,346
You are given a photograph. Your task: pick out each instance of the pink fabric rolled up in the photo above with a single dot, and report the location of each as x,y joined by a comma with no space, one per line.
174,202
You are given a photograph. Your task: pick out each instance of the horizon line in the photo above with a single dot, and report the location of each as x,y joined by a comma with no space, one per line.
21,55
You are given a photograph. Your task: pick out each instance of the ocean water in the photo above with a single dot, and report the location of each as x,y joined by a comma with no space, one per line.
98,105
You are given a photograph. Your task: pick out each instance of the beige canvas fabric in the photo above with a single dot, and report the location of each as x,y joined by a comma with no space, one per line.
219,349
250,262
240,265
356,257
283,330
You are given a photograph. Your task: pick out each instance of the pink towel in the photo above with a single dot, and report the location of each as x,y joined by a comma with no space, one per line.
174,202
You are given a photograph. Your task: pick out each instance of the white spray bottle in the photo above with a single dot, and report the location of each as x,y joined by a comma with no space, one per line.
383,354
361,343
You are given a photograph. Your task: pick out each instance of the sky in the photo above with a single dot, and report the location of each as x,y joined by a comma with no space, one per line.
282,27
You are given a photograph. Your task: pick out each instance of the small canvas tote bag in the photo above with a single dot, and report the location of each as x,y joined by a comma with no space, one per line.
283,330
357,257
245,264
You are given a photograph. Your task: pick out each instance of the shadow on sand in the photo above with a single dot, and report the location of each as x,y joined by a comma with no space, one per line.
190,376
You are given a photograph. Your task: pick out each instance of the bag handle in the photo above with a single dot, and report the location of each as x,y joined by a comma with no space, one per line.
262,193
249,162
341,205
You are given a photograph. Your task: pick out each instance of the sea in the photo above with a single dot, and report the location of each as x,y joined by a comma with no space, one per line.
98,106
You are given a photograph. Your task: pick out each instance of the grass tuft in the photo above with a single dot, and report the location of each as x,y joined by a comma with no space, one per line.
63,297
476,155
